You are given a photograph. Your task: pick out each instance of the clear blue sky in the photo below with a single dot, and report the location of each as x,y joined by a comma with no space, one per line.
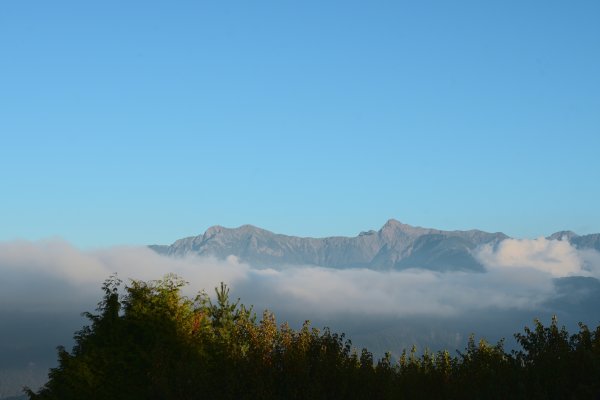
145,121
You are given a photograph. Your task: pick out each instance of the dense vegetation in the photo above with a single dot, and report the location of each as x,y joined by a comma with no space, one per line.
153,343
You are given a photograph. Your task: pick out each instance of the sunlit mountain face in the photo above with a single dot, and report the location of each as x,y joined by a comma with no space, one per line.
395,246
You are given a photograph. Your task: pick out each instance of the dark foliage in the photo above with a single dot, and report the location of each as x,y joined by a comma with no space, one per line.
153,343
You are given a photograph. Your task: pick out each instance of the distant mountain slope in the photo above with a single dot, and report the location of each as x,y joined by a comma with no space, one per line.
591,241
394,246
587,241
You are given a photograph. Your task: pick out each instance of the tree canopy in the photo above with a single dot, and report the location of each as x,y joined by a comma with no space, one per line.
148,341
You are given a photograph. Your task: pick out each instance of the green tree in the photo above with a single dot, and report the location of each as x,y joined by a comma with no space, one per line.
148,341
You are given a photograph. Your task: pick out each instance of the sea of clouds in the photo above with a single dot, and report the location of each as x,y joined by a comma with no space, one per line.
53,275
45,285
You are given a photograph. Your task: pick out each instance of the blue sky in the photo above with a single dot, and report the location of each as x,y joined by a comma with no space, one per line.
143,122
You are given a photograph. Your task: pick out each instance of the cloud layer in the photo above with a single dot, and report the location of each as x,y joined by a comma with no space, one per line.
50,275
556,257
46,282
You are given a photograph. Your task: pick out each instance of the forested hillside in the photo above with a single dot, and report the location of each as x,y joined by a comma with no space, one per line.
148,341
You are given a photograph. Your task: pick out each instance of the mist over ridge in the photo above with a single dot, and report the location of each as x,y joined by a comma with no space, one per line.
385,289
396,246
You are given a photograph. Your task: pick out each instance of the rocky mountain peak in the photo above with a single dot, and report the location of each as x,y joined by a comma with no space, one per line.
213,230
394,246
394,228
563,235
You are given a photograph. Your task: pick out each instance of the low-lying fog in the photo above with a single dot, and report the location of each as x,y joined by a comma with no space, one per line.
46,285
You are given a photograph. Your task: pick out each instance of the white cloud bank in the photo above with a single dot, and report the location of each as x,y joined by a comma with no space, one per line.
556,257
50,275
53,274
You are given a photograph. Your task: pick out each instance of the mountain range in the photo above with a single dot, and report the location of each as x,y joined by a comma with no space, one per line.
394,246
